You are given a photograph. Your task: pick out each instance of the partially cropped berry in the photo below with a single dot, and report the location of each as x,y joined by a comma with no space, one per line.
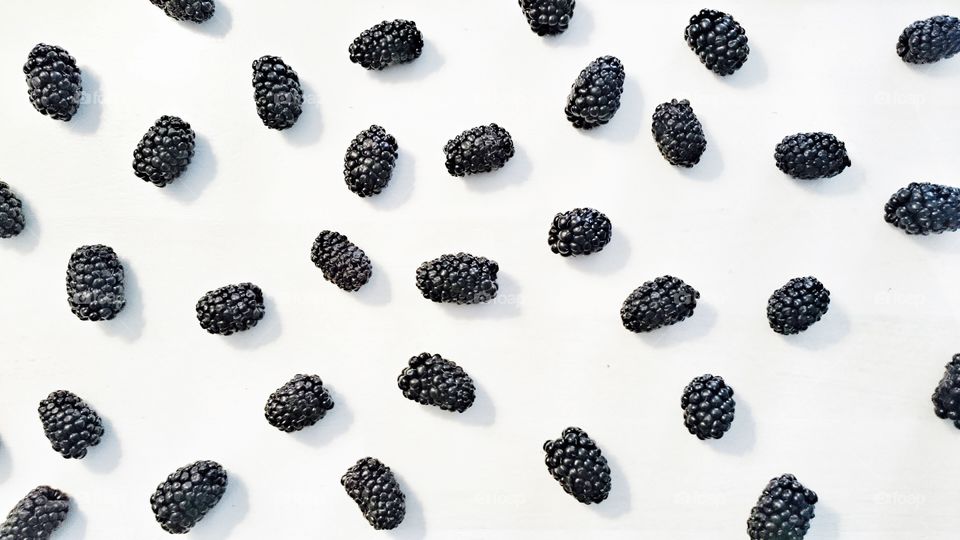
708,407
924,208
53,82
678,133
809,156
930,40
37,515
369,161
231,309
277,92
580,231
783,511
300,403
548,17
595,95
430,379
386,44
719,41
11,212
797,305
196,11
373,487
478,150
70,424
342,262
165,151
577,463
95,283
458,279
181,501
662,302
946,397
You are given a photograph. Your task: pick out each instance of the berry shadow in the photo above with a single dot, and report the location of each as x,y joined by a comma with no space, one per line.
413,526
825,524
199,175
219,523
753,73
309,126
711,163
830,330
87,119
128,324
400,188
578,33
618,502
104,457
375,292
516,171
847,182
506,305
611,259
742,435
697,326
216,26
625,125
74,526
943,69
430,62
266,331
333,425
29,237
948,242
6,463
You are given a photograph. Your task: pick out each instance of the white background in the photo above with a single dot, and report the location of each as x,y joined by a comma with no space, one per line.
845,406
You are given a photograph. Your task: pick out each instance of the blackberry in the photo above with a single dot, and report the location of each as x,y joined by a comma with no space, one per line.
386,44
53,82
595,95
930,40
719,41
783,511
459,279
230,309
373,487
300,403
580,231
678,133
70,424
924,208
181,501
946,397
809,156
797,305
11,212
165,151
577,463
429,379
95,283
37,515
478,150
277,92
369,161
342,262
708,407
548,17
196,11
662,302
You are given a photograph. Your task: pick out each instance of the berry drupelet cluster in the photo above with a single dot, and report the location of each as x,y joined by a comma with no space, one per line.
430,379
300,403
708,407
165,151
369,161
181,501
595,95
386,44
797,305
70,424
37,515
478,150
580,231
373,487
342,262
719,41
11,212
661,302
783,511
95,288
53,82
678,133
231,309
277,92
577,463
458,279
924,208
808,156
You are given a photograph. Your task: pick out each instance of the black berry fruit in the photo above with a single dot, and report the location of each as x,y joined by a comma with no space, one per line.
708,407
809,156
478,150
373,487
53,81
277,92
548,17
386,44
300,403
719,41
369,161
429,379
165,151
230,309
946,397
797,305
924,208
783,511
70,424
930,40
595,95
342,262
662,302
580,231
11,212
577,463
459,279
181,501
196,11
678,133
95,283
37,515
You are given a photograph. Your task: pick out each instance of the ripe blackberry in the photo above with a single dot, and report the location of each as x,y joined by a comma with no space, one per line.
165,151
580,231
783,511
708,407
95,283
478,150
386,44
196,11
429,379
924,208
678,133
342,262
37,515
719,41
459,279
300,403
11,212
181,501
548,17
809,156
662,302
277,92
230,309
373,487
930,40
595,95
946,397
369,161
577,463
53,82
797,305
70,424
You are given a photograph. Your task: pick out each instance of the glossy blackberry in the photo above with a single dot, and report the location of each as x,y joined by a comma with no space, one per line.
783,511
372,486
369,161
230,309
662,302
678,133
70,424
809,156
458,279
577,463
181,501
580,231
719,41
300,403
386,44
196,11
946,397
595,95
53,82
930,40
478,150
277,92
924,208
708,407
165,151
11,212
342,262
95,283
37,515
548,17
429,379
797,305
